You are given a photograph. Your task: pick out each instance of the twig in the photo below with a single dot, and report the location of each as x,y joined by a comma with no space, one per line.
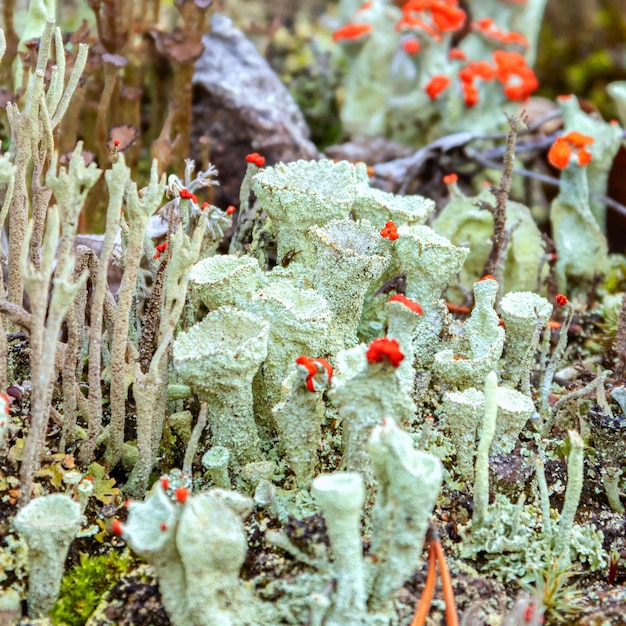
501,194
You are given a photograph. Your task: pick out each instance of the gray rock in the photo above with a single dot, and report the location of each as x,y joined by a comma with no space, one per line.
242,107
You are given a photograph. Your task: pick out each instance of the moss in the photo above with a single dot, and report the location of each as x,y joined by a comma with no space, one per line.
83,586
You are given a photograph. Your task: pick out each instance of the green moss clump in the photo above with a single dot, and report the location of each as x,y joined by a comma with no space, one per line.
84,585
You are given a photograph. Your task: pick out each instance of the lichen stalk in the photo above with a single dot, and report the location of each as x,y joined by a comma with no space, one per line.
409,481
481,484
341,496
137,211
572,498
116,180
70,186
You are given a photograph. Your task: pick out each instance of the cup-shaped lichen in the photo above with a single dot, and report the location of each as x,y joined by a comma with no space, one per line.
514,410
218,358
409,481
48,524
379,207
404,317
225,280
303,193
341,496
347,259
367,389
524,314
478,352
298,324
429,261
298,418
211,542
463,411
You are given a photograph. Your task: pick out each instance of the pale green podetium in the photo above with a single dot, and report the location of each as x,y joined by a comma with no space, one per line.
298,324
363,393
525,316
48,524
429,261
226,280
302,194
478,351
348,257
218,358
298,419
341,496
409,482
196,546
379,207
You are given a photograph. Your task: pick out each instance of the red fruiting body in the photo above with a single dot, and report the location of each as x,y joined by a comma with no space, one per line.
410,304
165,483
572,143
518,79
162,247
436,85
488,28
411,46
230,210
486,277
116,527
256,158
384,350
181,494
389,231
456,54
204,205
319,372
450,178
163,526
561,300
351,31
116,143
185,194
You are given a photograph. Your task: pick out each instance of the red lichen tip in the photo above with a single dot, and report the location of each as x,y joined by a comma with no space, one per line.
436,85
411,46
256,158
181,494
456,54
116,143
117,528
450,179
488,28
230,209
163,526
578,139
486,277
185,194
389,231
560,153
162,247
565,146
561,299
350,32
319,372
165,483
410,304
384,350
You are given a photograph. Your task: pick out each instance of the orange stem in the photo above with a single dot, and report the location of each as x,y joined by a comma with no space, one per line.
423,608
452,617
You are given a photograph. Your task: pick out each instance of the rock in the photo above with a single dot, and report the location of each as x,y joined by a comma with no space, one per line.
241,106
